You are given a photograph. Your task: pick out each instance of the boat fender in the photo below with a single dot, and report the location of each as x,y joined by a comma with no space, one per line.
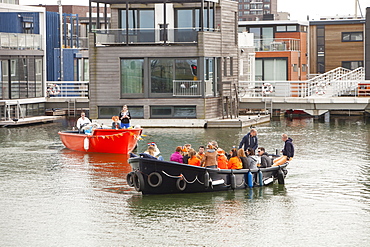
280,177
130,179
155,179
86,144
206,179
181,184
260,177
250,179
139,182
233,181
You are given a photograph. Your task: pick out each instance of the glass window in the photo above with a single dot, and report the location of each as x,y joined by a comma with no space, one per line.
132,76
352,36
280,28
186,69
173,112
352,64
291,28
184,112
39,76
295,67
271,69
161,75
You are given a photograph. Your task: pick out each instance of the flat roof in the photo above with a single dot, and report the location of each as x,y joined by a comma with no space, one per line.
338,22
149,1
275,22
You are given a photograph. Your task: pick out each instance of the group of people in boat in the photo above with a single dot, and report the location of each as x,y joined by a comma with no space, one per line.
247,156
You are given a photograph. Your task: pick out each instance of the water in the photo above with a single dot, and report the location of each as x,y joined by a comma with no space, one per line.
51,196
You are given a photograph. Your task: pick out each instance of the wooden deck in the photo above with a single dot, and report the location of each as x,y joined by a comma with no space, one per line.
30,120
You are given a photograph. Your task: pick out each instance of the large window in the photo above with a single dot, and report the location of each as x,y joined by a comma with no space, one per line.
173,112
106,112
352,36
132,76
140,23
352,64
271,69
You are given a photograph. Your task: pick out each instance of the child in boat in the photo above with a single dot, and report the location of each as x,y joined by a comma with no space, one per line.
177,156
235,162
193,159
210,158
222,159
252,159
116,123
185,153
243,158
153,151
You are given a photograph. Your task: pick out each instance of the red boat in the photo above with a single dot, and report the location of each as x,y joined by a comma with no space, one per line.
118,141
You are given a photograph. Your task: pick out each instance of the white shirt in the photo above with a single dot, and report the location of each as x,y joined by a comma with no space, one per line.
83,121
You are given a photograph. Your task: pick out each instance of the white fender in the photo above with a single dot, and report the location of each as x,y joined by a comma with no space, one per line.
86,144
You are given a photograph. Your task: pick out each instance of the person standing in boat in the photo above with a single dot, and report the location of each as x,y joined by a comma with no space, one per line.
266,161
250,140
210,157
288,151
82,121
125,117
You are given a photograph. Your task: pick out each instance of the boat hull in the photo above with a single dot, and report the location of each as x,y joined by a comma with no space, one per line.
121,141
151,176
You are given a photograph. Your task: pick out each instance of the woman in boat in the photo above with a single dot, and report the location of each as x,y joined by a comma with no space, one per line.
193,159
252,159
243,158
222,159
177,156
125,117
235,162
210,157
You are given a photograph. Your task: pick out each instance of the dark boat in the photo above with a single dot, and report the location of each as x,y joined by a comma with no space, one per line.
153,176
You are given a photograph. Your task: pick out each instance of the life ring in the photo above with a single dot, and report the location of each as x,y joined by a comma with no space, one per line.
179,186
267,88
130,179
157,179
320,88
53,89
139,182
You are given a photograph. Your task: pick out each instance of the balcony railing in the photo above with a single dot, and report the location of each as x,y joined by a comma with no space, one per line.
68,89
20,41
277,44
146,36
188,88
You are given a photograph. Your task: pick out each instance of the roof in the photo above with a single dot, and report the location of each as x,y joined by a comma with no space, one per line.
148,1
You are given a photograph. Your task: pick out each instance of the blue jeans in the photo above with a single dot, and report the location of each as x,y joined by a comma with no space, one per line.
125,125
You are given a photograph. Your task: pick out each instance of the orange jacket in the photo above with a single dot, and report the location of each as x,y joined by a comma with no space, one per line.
222,162
194,161
235,163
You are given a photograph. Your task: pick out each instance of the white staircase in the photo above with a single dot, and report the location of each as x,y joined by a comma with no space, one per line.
336,82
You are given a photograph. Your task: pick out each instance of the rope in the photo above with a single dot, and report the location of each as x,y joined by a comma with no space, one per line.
183,177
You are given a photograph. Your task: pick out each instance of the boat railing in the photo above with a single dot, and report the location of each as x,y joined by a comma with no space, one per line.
68,89
187,88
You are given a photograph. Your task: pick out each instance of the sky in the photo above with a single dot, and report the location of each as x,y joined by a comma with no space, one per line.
298,9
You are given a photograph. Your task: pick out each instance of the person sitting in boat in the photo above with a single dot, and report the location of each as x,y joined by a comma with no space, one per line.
222,161
266,160
116,124
243,158
200,153
82,121
288,151
252,159
193,159
235,162
210,157
177,156
154,150
185,153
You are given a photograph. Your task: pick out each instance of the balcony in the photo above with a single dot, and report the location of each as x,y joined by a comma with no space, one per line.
20,41
187,88
277,44
137,36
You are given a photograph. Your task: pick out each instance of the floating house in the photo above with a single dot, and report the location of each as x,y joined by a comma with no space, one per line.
164,59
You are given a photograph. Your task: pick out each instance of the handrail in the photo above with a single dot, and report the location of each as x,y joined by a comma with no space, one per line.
79,89
20,41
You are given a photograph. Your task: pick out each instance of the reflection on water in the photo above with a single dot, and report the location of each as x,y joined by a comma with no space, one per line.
50,195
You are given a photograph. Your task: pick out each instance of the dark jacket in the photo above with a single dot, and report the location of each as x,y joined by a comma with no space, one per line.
125,119
288,148
249,141
266,160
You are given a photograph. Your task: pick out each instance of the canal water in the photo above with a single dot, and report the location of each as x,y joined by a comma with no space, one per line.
51,196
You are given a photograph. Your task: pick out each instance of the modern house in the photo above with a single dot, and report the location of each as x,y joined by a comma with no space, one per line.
164,59
257,10
336,43
280,49
22,60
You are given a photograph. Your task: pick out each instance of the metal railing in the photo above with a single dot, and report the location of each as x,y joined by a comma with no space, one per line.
278,44
146,36
20,41
68,89
188,88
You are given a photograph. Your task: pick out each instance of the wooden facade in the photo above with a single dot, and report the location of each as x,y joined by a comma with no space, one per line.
334,51
221,44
